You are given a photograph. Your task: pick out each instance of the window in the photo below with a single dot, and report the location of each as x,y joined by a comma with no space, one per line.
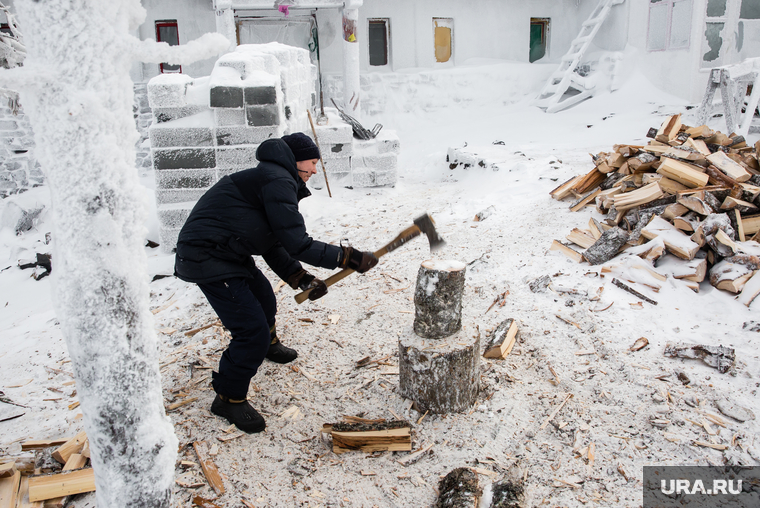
167,31
750,9
5,28
539,29
669,24
378,41
443,39
715,33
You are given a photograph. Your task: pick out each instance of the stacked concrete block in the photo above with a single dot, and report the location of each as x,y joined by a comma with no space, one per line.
298,76
19,170
209,127
336,145
143,119
375,161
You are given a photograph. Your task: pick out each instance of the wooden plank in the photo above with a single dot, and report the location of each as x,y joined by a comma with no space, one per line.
76,461
23,496
683,173
740,226
70,447
38,444
63,484
209,468
9,490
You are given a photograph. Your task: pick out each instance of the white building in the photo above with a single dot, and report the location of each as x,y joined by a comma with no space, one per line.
676,41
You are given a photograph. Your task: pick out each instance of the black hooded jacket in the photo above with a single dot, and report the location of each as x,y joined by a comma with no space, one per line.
251,212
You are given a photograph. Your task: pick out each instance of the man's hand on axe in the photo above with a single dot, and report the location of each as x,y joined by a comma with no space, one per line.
422,225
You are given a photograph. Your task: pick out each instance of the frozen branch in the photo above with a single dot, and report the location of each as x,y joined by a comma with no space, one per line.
206,46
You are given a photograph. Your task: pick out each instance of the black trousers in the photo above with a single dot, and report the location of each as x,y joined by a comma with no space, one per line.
247,308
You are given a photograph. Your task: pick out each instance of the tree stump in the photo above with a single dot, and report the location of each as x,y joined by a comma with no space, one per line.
439,364
438,299
459,489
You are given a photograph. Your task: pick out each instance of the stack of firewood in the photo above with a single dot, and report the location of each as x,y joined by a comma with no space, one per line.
50,476
691,192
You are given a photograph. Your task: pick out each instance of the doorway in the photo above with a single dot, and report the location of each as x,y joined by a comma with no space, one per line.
539,34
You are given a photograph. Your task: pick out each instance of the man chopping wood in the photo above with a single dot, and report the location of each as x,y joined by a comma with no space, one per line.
255,212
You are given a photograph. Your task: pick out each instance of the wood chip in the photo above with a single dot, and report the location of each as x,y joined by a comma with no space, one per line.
209,468
554,413
181,403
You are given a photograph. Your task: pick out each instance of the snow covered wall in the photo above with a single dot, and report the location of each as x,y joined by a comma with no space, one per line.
19,170
210,127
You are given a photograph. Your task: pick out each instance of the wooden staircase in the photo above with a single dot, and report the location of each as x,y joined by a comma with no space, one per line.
565,87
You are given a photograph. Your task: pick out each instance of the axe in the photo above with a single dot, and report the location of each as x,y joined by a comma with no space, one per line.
422,225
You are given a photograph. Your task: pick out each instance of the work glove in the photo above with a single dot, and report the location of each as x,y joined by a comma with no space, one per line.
305,281
357,260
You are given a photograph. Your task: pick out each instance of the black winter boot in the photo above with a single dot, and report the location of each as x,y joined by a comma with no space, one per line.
239,412
279,353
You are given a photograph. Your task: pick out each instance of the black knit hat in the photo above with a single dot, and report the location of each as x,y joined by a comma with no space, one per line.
302,146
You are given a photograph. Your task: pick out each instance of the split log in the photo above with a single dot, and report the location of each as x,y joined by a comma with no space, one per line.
652,251
641,162
73,445
703,131
567,251
23,463
209,468
683,173
438,298
370,437
440,375
588,182
581,238
61,484
729,166
742,206
641,196
705,233
9,490
7,469
730,276
675,242
564,190
722,358
669,129
596,228
459,489
502,339
687,153
751,290
694,203
585,200
606,247
673,211
694,270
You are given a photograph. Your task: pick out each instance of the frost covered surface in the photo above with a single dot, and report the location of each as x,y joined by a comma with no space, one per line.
616,393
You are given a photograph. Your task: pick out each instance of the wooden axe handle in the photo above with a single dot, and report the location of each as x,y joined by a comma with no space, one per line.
397,242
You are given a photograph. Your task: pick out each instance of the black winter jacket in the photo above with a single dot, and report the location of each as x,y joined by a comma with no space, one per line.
251,212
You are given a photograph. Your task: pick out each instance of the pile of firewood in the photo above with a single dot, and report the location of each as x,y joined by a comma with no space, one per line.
47,474
691,192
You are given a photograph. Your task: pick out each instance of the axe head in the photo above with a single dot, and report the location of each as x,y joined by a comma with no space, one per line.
427,227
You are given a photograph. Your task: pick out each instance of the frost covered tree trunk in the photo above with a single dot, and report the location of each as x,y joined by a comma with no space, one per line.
76,89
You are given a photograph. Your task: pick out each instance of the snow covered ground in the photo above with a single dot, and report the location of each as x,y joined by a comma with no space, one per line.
591,452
